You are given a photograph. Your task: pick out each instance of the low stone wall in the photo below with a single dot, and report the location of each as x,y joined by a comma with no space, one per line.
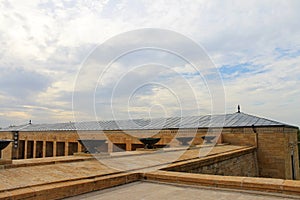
244,165
59,190
238,163
279,186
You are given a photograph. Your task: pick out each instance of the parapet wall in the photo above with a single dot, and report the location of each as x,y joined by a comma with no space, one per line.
59,190
244,165
279,186
238,163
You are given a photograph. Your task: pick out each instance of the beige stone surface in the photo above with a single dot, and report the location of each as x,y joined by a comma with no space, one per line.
28,172
147,190
149,161
269,185
54,178
273,144
20,177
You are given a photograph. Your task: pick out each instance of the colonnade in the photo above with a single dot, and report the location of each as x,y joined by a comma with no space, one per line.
41,149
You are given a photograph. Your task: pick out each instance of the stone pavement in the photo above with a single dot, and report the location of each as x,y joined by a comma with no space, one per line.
40,171
149,161
22,177
55,178
150,191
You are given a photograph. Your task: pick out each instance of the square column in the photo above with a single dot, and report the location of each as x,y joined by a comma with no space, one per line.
128,144
44,149
110,146
66,148
25,149
79,147
34,149
54,148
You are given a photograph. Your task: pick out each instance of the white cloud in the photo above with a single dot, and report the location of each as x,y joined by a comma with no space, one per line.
52,38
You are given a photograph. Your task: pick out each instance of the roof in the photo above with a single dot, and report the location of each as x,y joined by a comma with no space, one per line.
204,121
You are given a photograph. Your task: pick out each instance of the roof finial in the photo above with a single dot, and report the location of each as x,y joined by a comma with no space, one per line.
239,109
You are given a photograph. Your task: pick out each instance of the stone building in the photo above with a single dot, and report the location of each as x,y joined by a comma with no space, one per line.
275,142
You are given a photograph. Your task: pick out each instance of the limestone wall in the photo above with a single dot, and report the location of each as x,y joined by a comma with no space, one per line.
6,153
244,165
273,144
240,163
273,148
239,136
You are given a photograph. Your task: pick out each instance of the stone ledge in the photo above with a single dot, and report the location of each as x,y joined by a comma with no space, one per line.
5,162
190,163
291,187
70,188
231,182
44,162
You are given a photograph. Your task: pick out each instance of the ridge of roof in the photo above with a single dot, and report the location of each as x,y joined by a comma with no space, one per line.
238,119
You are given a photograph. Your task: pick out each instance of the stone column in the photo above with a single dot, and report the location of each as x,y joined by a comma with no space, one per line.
79,147
54,148
110,146
44,149
128,144
66,148
34,149
25,149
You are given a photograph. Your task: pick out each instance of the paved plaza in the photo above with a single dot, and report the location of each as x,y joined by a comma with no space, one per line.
152,191
48,170
134,175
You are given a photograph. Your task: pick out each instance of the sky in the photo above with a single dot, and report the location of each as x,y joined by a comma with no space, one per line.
52,57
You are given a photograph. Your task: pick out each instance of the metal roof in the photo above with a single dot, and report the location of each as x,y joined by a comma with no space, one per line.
205,121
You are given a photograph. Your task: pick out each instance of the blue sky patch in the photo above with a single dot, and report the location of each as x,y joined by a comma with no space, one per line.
286,53
235,70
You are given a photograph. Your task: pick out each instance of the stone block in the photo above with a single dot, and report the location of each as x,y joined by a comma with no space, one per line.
291,187
5,162
263,184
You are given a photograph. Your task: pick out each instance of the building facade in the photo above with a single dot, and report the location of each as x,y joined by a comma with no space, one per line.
275,142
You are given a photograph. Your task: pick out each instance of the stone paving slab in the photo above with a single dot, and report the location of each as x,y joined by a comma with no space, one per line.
20,177
148,190
62,169
49,159
160,159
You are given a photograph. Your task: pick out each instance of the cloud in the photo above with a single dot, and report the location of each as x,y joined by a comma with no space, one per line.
21,83
273,92
255,45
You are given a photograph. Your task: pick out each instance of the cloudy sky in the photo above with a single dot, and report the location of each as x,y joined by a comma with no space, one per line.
47,49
